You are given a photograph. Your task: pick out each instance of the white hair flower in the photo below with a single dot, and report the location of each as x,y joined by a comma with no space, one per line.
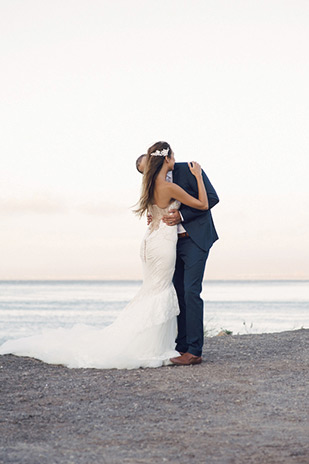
163,152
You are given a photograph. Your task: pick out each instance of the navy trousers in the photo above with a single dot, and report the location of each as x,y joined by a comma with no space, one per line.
187,280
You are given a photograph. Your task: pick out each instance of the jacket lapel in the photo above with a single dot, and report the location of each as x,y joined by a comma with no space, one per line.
176,174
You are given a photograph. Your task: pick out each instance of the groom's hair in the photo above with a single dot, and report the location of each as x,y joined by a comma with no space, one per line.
138,162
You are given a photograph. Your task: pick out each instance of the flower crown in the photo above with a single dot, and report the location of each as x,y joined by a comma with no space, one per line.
163,152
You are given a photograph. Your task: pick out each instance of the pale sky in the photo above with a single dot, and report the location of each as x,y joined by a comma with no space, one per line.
87,86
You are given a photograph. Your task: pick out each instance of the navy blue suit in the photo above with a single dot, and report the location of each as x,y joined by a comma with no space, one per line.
192,253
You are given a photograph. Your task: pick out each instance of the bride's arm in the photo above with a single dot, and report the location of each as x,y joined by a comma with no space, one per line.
181,195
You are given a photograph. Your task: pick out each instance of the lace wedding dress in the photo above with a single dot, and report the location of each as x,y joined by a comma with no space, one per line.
144,333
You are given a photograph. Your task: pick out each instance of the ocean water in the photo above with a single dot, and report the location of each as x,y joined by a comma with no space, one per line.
27,307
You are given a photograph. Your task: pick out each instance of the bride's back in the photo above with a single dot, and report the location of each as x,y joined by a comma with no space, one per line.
161,195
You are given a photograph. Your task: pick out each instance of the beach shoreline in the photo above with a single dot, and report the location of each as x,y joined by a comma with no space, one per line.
246,403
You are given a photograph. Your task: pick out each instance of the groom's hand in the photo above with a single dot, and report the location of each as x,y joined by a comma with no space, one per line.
172,218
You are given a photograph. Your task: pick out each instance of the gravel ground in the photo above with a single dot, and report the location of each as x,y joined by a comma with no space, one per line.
247,403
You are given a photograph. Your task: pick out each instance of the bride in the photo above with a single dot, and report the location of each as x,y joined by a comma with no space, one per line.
144,333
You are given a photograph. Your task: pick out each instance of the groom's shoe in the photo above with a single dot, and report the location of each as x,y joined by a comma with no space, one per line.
186,359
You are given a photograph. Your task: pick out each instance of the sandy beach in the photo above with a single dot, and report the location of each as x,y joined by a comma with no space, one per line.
247,403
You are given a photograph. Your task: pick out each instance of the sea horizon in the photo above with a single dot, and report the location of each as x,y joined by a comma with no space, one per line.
305,279
28,306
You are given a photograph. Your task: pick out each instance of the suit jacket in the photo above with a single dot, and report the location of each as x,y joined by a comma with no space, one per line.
199,224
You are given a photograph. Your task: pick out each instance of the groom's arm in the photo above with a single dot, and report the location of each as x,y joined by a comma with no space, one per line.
189,213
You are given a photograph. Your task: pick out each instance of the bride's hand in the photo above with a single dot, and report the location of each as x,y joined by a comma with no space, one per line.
195,168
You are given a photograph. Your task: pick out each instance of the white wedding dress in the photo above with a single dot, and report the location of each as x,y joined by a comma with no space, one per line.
144,333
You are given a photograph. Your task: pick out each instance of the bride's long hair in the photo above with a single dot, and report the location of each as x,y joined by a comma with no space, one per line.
152,169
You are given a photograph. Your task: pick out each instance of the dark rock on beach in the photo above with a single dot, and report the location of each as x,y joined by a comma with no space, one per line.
246,403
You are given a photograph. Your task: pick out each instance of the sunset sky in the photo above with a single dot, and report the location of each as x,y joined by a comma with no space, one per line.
87,86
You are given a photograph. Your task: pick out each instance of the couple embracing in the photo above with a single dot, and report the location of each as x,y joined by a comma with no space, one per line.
163,324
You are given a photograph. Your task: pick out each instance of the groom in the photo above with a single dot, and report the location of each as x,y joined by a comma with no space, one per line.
196,235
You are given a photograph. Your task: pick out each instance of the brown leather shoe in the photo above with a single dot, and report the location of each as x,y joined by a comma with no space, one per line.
186,359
